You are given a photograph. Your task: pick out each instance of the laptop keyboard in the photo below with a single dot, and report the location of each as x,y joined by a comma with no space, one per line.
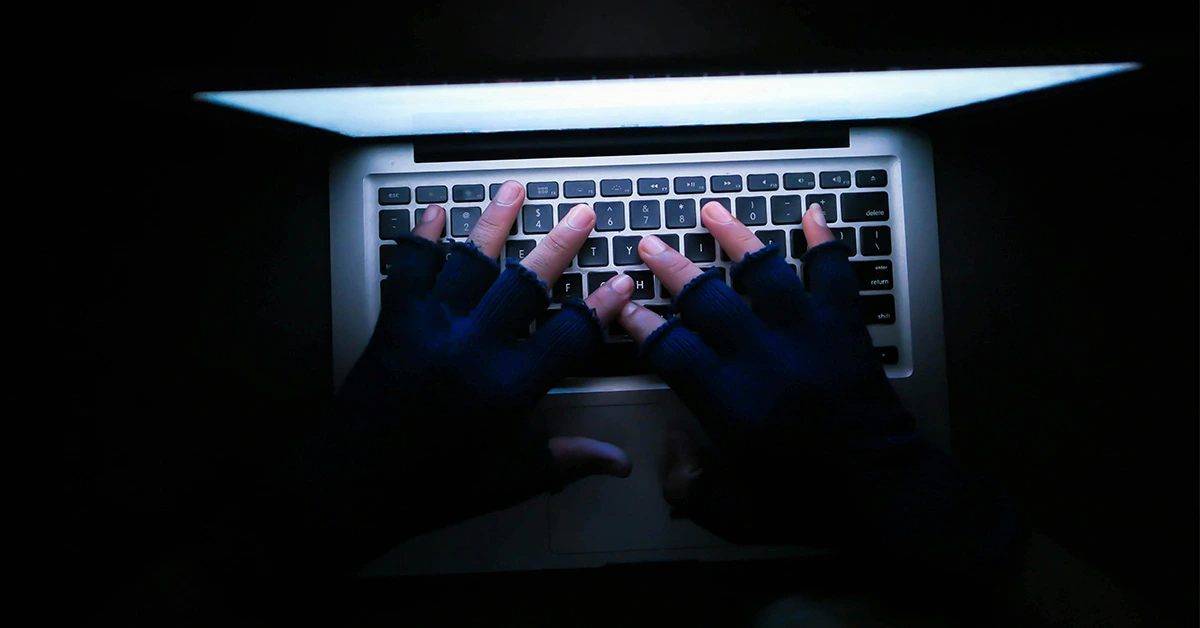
771,201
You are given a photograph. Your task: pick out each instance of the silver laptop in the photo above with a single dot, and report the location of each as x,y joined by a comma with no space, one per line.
646,154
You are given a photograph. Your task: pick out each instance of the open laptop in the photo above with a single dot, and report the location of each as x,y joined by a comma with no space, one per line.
646,154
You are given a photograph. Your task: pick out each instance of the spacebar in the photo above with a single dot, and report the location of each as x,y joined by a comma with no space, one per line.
611,359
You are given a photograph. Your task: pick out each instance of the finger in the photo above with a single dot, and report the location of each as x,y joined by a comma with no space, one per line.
554,253
776,295
576,457
735,239
466,276
610,297
433,223
639,321
490,232
827,268
671,268
815,230
414,268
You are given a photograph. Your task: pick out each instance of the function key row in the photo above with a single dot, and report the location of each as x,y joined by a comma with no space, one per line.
543,190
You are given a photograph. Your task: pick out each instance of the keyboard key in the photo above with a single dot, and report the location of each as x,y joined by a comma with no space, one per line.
652,187
723,200
873,275
579,189
865,206
616,187
681,213
689,185
393,223
726,183
699,247
799,181
752,210
518,249
564,209
625,251
888,355
568,286
799,243
537,218
427,194
828,202
594,280
594,253
663,310
394,196
468,193
643,284
774,236
462,220
846,235
420,215
876,240
762,182
644,215
835,179
387,252
610,216
541,190
878,309
670,239
787,210
870,179
492,190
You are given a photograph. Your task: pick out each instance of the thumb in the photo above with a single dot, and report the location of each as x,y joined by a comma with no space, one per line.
576,457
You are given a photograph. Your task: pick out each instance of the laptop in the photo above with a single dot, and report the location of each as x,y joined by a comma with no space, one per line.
646,154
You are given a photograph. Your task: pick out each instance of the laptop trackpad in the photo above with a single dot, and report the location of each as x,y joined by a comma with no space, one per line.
606,514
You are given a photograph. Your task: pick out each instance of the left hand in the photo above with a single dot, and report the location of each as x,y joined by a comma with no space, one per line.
433,423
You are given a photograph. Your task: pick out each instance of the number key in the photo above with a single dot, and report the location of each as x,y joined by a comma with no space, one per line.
462,220
752,210
610,216
643,214
537,218
681,213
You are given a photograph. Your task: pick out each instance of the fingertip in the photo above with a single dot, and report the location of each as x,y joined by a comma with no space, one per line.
639,321
432,223
816,231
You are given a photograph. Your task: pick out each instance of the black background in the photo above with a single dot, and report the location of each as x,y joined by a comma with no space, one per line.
198,311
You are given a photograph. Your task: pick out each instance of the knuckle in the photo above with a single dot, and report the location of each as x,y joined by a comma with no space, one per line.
553,244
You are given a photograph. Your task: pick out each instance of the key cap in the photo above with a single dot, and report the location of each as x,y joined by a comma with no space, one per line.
876,240
610,216
799,243
762,182
518,249
752,210
878,309
846,235
643,284
492,190
393,223
394,196
625,251
670,239
723,200
468,193
873,275
579,189
652,187
700,247
537,218
462,220
681,213
541,190
871,179
644,214
431,194
594,280
835,179
387,252
616,187
799,181
725,183
568,286
888,355
787,210
773,236
828,202
420,213
564,209
594,253
689,185
865,206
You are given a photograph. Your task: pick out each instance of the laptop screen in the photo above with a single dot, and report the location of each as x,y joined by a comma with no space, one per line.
648,102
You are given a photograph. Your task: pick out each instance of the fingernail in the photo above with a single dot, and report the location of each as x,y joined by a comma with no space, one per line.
508,193
429,215
717,213
818,214
577,218
622,284
629,309
653,245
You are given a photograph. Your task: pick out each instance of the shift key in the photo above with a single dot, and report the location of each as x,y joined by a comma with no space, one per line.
878,309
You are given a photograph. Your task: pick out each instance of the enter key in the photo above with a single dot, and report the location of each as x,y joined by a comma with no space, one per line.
873,275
